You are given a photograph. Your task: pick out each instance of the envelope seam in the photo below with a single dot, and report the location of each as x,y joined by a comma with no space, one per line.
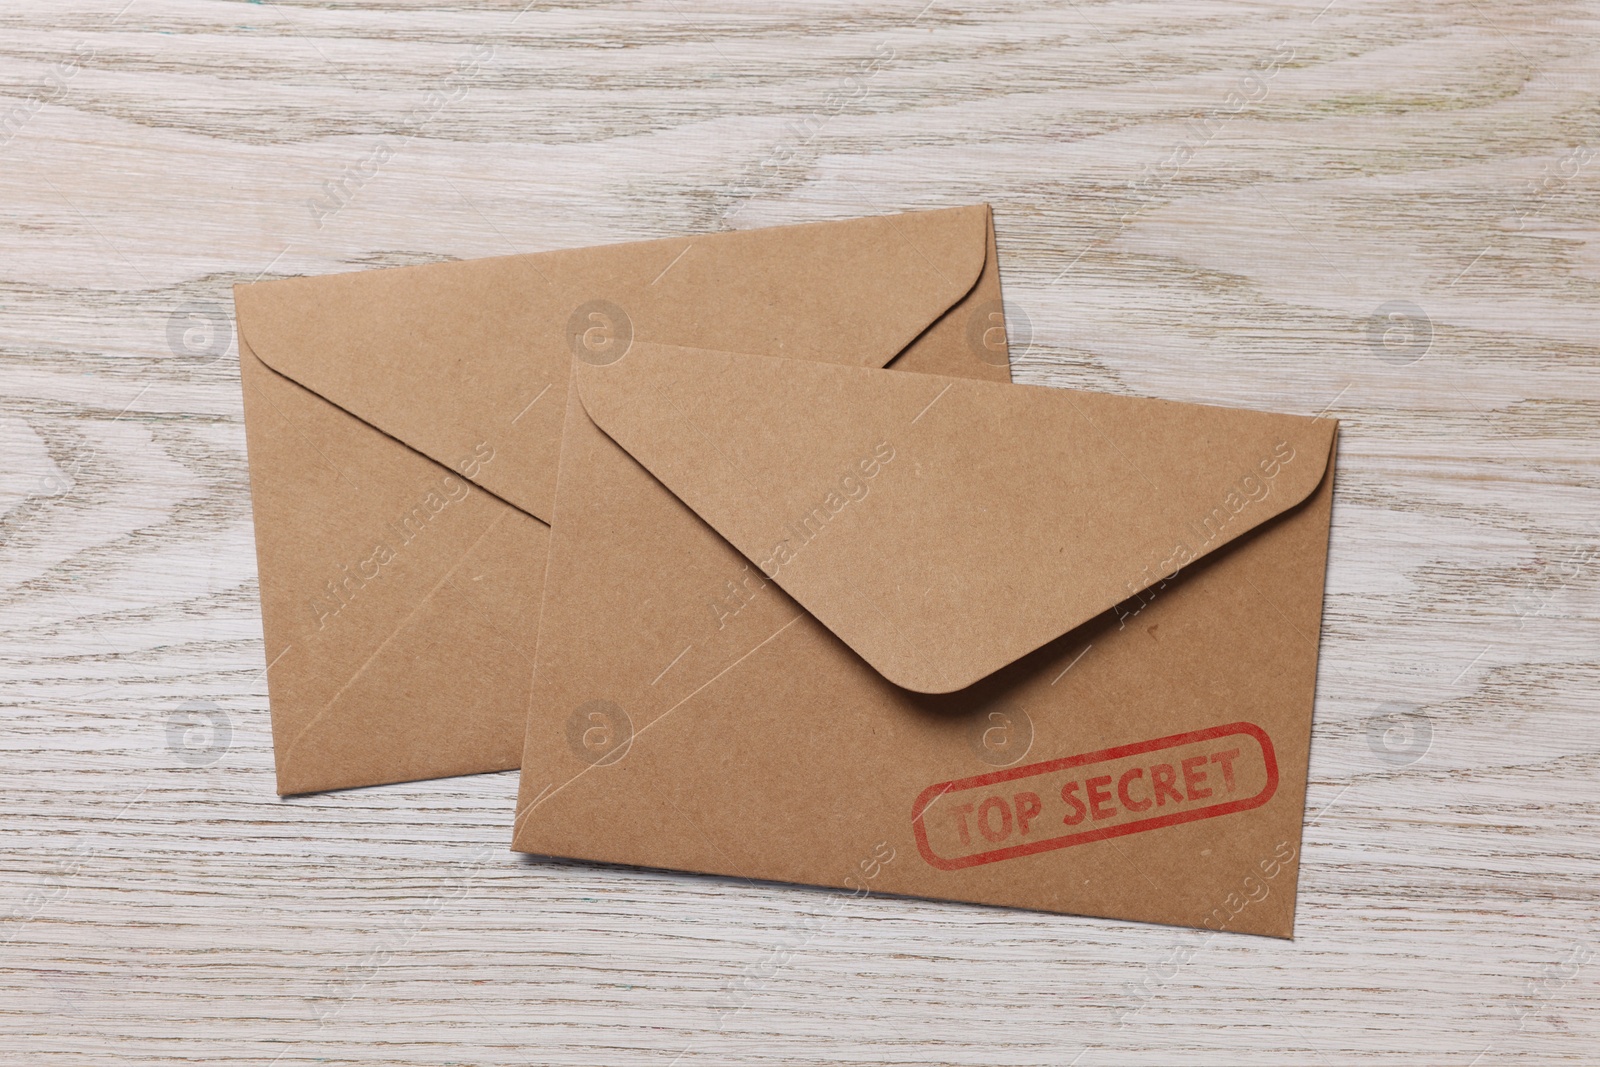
288,755
389,436
1273,604
489,622
287,421
1154,489
548,793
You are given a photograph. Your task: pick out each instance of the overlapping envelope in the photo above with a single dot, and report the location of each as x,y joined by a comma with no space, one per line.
404,425
916,633
746,549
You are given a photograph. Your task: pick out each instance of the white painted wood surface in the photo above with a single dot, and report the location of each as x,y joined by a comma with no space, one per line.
1385,210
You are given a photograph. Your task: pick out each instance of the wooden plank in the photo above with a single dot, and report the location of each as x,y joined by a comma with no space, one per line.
1382,210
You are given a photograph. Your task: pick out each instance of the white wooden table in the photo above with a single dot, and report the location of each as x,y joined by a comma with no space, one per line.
1383,210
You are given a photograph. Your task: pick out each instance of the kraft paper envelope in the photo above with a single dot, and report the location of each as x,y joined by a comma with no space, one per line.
922,634
403,427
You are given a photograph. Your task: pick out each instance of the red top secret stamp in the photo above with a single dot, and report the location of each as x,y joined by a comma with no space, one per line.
1116,791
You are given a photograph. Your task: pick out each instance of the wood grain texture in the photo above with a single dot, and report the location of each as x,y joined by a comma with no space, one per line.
1387,211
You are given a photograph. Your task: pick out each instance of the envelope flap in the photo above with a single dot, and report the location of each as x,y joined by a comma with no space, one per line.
944,527
468,360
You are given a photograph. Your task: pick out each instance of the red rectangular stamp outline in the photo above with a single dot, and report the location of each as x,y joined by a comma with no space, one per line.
1211,811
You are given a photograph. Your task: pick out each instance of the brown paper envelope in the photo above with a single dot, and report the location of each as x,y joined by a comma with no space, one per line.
927,635
403,429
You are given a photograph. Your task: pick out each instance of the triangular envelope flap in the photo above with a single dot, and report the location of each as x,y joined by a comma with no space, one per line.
470,359
944,527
